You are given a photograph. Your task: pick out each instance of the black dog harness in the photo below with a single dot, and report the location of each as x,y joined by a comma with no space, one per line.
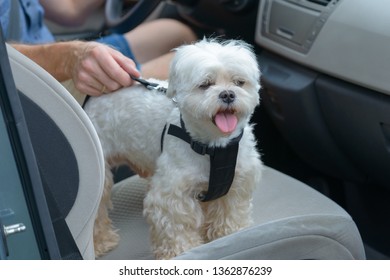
222,161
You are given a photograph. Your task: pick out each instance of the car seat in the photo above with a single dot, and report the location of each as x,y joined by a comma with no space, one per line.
67,148
291,220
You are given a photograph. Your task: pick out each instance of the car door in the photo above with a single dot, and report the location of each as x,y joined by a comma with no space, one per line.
18,237
26,230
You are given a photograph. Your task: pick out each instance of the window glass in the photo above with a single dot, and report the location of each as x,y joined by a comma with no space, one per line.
14,213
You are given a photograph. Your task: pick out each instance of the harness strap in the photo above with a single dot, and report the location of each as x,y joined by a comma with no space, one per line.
181,132
222,161
222,171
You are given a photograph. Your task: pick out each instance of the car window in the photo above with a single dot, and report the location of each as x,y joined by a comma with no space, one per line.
20,241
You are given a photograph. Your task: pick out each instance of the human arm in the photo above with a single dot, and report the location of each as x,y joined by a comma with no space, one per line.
69,12
92,66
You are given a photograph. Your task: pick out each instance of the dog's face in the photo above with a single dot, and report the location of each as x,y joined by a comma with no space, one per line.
216,87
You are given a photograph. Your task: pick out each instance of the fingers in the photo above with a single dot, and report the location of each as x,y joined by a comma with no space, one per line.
90,86
120,68
127,64
101,69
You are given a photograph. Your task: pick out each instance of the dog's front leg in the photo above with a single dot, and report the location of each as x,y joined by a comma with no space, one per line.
175,217
229,213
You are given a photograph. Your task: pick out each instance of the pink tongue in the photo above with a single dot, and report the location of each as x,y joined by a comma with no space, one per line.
226,122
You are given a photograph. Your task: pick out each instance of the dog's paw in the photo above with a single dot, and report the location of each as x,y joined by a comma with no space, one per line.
104,244
166,254
175,247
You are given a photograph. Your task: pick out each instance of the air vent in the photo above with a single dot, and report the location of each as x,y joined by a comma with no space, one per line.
320,2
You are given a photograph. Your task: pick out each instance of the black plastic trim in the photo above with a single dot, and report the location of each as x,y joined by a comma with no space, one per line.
289,95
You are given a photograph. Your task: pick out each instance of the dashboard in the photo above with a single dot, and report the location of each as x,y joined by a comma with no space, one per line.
348,39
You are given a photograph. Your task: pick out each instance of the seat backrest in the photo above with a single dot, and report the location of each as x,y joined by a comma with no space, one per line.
66,146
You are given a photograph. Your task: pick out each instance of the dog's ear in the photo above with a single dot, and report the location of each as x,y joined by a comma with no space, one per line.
171,90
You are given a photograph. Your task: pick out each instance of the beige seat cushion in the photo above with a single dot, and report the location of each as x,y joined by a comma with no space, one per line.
292,221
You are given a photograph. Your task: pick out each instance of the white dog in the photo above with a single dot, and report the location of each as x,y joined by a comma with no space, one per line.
193,143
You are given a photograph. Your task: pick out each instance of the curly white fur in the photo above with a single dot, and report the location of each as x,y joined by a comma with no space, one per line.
130,123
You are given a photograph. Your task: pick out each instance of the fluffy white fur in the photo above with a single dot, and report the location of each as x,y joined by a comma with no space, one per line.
130,123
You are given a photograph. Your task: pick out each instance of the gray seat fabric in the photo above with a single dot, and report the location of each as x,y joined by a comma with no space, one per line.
56,104
292,221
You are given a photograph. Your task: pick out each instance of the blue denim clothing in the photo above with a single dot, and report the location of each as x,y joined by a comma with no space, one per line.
32,29
118,42
31,26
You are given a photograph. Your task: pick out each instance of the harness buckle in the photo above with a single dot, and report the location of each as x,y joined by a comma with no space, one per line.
198,148
149,85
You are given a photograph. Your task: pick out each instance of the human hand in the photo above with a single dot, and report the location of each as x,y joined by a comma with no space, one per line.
99,69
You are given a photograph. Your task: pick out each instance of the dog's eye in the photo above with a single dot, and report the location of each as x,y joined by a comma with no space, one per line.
239,83
206,84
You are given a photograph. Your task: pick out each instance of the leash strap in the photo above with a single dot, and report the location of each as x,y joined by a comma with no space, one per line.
149,85
143,82
222,162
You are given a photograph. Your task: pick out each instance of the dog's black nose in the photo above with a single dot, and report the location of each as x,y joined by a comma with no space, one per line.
227,96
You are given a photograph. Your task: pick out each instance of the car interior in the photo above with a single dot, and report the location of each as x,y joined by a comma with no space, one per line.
321,127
